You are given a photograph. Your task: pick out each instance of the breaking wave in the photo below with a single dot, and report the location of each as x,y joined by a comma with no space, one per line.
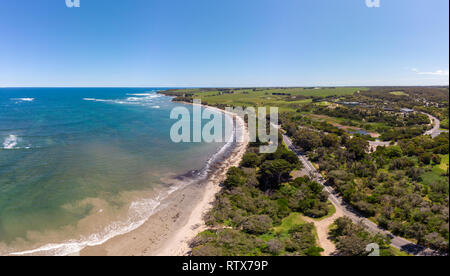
145,99
10,142
23,99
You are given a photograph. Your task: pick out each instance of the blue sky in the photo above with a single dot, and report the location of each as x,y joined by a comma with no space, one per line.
223,43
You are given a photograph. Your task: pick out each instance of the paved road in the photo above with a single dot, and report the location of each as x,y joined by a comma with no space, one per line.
436,130
338,202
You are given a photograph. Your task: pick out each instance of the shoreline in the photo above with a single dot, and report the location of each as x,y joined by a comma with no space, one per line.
180,216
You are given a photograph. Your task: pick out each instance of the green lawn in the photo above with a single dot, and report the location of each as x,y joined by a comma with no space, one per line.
398,93
444,163
392,251
294,219
444,124
265,96
375,127
436,173
289,222
325,103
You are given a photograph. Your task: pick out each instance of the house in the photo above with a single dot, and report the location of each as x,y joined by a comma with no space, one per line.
406,110
349,103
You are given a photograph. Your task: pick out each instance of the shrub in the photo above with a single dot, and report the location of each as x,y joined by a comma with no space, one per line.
401,163
274,247
258,224
250,160
436,159
394,151
235,178
425,158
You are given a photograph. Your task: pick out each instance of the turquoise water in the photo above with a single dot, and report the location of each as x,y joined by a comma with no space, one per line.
69,154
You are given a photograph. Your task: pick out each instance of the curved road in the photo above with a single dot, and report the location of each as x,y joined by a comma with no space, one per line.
436,130
338,202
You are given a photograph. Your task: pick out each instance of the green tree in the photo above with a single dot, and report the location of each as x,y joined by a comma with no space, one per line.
273,172
425,158
307,140
394,151
357,147
250,160
436,159
235,178
351,246
330,140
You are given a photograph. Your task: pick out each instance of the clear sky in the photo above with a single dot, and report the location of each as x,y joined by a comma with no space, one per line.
223,43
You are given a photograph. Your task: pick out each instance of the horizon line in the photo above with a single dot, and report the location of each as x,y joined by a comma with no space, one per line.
244,86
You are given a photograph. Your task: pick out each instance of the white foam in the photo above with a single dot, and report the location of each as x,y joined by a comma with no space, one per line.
95,100
142,97
10,142
134,99
106,101
23,99
139,99
138,213
153,95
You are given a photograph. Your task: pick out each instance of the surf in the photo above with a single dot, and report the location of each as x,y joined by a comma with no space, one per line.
10,142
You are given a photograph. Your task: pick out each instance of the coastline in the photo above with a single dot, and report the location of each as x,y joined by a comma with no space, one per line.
180,216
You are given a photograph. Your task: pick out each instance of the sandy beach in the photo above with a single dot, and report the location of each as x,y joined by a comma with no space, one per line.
180,216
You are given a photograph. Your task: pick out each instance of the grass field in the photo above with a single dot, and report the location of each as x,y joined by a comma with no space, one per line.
436,173
286,99
294,219
444,163
282,232
444,124
398,93
349,124
393,251
289,222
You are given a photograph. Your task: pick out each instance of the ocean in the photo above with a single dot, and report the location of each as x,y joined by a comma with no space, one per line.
79,166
